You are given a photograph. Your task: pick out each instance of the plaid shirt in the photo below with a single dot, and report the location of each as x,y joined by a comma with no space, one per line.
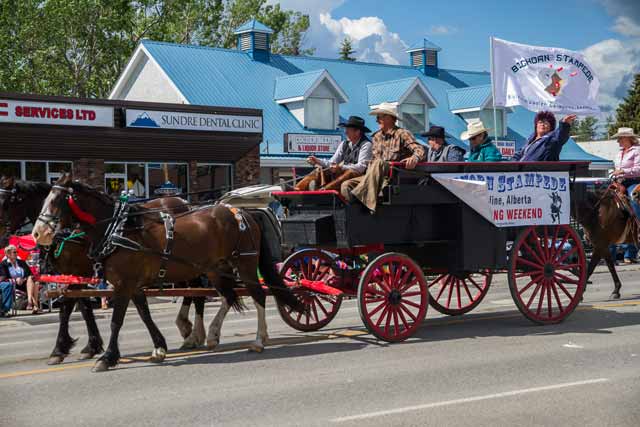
396,145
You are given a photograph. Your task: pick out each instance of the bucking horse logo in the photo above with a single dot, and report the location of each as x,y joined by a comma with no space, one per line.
556,206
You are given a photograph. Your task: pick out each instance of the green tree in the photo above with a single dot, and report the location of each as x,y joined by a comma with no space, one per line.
587,129
346,50
628,112
608,125
79,47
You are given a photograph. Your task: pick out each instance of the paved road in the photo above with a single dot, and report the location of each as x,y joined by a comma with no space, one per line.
491,367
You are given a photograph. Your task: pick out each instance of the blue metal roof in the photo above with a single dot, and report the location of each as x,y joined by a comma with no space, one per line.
468,97
390,91
295,85
253,25
228,77
424,44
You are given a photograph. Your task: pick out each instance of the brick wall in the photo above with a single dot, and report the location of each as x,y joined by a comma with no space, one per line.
246,171
90,171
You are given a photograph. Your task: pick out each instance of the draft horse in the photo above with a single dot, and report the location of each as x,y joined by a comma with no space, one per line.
226,244
20,204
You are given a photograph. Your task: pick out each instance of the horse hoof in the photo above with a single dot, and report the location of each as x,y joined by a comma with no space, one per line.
55,360
86,356
188,345
158,355
100,366
256,348
211,345
615,295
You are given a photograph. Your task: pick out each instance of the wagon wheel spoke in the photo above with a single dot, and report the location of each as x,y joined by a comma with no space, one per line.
541,299
466,288
554,248
324,310
411,303
388,321
450,291
565,278
567,267
328,298
409,285
396,323
458,292
382,315
526,246
535,292
440,277
546,243
556,295
377,309
549,299
405,324
412,294
396,277
315,310
408,312
561,286
567,255
444,286
536,240
557,250
529,263
528,285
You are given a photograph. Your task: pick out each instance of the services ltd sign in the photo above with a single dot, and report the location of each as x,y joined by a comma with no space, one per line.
55,113
151,119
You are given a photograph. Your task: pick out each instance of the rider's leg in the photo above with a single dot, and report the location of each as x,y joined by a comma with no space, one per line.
305,182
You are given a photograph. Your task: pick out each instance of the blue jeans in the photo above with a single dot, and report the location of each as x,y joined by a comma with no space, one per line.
6,302
634,204
630,250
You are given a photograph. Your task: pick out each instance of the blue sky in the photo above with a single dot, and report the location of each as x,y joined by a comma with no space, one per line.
607,31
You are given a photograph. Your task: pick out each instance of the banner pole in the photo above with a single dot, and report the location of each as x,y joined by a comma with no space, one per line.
493,93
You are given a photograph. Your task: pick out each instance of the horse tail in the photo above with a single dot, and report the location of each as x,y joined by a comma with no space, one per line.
267,265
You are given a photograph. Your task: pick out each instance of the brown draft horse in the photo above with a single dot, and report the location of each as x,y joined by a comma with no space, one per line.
605,222
20,203
216,240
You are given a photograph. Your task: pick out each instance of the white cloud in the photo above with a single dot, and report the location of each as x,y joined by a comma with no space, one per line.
614,62
442,30
627,27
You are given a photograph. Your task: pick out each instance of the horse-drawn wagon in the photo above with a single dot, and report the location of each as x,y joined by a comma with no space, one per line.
440,234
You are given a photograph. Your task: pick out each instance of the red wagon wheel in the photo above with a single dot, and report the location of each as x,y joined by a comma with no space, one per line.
311,264
392,297
456,294
547,272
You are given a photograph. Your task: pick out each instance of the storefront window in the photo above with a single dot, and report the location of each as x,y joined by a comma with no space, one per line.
114,168
136,179
176,173
216,178
10,169
36,171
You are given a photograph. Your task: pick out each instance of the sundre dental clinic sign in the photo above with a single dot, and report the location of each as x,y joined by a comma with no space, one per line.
52,113
150,119
513,198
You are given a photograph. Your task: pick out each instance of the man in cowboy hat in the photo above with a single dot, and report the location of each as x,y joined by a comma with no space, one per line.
439,149
482,149
349,161
390,144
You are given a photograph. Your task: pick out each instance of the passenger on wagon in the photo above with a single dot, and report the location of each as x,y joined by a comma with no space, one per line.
390,144
439,150
482,149
546,142
349,161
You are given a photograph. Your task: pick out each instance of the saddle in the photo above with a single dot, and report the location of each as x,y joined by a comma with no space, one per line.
632,229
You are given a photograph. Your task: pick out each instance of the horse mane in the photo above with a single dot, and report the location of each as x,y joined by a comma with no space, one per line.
30,187
96,193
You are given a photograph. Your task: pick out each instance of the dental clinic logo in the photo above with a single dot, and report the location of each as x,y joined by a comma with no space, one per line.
144,121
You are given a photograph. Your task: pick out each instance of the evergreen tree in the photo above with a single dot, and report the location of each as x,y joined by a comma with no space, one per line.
608,125
346,50
628,113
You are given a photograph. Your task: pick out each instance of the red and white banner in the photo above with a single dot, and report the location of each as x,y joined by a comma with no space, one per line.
311,143
50,113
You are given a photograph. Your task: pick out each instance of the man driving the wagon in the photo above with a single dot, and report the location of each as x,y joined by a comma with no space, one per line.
349,161
390,144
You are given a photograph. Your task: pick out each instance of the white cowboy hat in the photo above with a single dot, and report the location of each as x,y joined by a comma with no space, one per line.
622,132
385,108
473,129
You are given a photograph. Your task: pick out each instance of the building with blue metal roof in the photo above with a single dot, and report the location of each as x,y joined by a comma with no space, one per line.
304,98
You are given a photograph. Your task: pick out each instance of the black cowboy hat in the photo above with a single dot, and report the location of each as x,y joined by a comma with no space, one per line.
434,132
355,122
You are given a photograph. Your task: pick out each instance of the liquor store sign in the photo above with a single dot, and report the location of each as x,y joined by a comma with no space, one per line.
310,143
53,113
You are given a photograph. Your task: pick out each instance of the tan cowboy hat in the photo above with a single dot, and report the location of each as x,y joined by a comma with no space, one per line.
622,132
473,129
385,108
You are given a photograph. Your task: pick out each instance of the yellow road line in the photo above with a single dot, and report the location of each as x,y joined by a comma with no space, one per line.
346,333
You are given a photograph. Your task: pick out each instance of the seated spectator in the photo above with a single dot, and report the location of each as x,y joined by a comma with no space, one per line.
482,149
16,272
439,150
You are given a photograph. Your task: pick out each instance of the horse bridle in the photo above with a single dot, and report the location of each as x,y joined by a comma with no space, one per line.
6,219
52,221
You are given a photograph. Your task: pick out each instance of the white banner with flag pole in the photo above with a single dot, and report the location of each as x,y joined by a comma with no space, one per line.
542,78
